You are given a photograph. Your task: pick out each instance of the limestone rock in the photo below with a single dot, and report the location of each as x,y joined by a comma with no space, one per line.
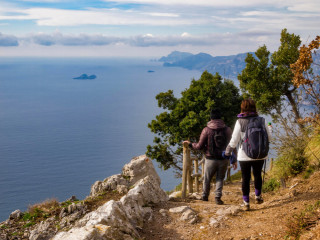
163,212
139,168
122,189
97,232
110,217
145,192
233,210
175,195
189,216
180,209
44,231
110,183
213,222
16,214
118,219
196,196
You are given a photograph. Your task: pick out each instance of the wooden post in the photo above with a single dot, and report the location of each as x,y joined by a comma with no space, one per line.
189,172
271,164
186,152
196,169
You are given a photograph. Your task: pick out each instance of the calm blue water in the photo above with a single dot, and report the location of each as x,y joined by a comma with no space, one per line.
59,135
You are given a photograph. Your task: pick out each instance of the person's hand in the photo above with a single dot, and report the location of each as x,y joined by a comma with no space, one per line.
235,165
186,141
233,158
224,155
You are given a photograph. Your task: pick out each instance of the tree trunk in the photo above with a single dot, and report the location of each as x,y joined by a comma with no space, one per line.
295,110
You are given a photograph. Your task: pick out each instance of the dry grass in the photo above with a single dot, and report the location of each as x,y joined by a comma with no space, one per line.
313,149
306,220
46,206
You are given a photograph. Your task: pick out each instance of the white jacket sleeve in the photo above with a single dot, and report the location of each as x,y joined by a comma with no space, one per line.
236,136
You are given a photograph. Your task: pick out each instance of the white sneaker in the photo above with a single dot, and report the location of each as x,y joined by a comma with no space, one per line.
245,206
259,199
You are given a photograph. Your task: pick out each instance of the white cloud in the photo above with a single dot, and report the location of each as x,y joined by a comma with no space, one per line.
293,5
146,40
8,40
219,44
229,25
185,34
214,3
158,14
61,17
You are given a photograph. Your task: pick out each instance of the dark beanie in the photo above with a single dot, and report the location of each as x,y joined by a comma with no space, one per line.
215,114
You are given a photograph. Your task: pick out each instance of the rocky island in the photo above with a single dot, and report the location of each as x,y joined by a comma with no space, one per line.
86,77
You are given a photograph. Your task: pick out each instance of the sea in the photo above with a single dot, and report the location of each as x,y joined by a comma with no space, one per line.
58,135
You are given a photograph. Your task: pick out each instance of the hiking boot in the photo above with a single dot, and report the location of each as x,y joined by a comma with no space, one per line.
204,198
245,206
259,199
219,201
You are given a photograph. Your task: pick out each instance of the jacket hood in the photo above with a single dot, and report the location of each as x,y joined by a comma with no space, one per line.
216,123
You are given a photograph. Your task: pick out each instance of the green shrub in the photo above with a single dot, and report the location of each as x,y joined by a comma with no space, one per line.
178,187
307,173
291,160
236,176
271,185
29,224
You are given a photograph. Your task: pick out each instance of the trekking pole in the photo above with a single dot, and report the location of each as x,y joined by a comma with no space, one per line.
264,170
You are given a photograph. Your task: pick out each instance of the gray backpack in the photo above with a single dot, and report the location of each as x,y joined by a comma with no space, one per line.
256,142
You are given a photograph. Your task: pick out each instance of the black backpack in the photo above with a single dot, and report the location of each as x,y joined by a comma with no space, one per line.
256,142
217,142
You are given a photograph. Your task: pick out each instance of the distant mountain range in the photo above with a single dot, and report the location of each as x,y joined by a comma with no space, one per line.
227,66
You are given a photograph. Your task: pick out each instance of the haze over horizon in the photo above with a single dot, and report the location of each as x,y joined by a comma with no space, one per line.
150,28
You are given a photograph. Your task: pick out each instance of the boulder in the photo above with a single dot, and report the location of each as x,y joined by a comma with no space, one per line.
146,191
44,231
122,189
174,195
16,214
139,168
189,216
97,232
111,218
180,209
110,183
120,219
232,210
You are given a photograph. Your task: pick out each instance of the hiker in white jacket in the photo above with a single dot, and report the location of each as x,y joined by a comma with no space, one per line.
248,113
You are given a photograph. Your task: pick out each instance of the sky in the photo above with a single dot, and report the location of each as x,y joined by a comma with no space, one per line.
150,28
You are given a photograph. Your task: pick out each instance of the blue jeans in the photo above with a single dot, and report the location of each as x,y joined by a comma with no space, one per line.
211,168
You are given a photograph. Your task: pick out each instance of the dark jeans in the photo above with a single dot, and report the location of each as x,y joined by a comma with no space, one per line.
246,166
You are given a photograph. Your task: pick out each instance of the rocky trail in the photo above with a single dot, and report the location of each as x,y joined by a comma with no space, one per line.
265,221
131,205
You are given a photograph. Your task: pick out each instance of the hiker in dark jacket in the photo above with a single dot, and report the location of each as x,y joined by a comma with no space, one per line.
248,111
215,164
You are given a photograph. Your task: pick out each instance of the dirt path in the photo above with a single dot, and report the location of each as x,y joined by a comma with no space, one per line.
266,221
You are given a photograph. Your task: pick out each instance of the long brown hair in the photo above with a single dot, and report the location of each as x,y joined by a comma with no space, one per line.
248,106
